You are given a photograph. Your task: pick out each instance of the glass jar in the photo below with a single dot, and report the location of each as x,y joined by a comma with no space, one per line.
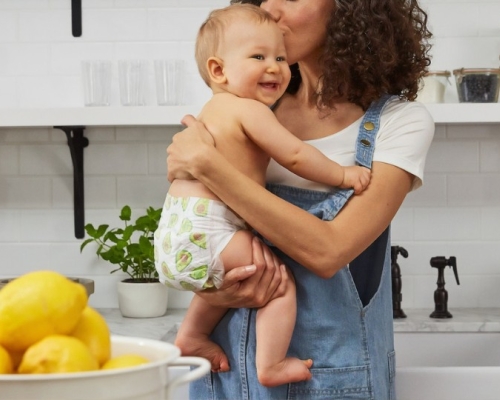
434,86
477,85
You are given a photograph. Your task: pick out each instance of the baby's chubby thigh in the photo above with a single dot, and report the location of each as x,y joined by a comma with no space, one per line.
238,252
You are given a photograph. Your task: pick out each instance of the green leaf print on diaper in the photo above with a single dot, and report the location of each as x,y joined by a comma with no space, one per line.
199,272
199,239
166,271
182,259
201,207
168,203
167,243
184,203
172,220
187,286
186,226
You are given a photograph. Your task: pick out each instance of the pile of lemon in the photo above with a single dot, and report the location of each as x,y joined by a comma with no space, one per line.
46,326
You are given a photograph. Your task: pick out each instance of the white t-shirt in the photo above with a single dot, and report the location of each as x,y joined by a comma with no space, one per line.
405,135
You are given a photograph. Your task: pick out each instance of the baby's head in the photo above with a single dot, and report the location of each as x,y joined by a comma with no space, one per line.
213,31
240,41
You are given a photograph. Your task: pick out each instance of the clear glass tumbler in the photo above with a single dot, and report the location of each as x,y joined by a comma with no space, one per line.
170,82
96,82
132,77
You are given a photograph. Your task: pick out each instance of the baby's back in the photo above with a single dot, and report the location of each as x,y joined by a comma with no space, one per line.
221,116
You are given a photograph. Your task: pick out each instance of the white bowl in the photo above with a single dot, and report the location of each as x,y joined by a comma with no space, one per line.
144,382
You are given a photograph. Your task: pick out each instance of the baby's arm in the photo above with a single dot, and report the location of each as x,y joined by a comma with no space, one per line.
262,127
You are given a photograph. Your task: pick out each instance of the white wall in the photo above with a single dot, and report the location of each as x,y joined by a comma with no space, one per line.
456,213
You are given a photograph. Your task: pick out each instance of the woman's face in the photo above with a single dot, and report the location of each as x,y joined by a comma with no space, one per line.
303,23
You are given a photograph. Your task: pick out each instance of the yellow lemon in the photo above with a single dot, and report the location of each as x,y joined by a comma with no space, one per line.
125,361
38,304
57,353
6,366
93,330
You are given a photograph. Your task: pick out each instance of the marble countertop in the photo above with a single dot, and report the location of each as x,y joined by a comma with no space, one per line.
165,327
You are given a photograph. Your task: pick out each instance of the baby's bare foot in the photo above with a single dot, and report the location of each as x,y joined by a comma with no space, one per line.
287,371
200,345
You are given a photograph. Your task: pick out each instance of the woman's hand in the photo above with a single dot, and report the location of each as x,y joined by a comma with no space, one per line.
251,286
187,148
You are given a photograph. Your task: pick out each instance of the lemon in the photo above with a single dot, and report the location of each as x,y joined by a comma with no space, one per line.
93,330
38,304
57,353
125,361
6,366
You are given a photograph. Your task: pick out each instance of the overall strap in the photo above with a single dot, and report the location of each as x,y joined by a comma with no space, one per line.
365,143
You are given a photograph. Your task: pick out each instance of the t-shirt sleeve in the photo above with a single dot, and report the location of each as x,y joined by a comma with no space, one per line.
405,137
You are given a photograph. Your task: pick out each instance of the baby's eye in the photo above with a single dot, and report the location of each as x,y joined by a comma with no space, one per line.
280,59
258,57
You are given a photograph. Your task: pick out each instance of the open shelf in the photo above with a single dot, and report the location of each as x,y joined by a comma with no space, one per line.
458,113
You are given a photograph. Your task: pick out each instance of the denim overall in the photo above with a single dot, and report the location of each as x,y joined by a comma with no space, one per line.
343,323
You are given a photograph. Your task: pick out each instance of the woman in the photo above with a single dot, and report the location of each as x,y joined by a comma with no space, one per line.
357,64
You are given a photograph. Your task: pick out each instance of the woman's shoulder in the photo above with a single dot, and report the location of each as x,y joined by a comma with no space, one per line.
408,110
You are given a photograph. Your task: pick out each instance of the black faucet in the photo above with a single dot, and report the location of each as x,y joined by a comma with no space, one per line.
397,284
440,294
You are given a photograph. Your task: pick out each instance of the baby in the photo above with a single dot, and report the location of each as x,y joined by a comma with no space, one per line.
241,56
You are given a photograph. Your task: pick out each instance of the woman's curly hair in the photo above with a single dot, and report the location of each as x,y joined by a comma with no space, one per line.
372,47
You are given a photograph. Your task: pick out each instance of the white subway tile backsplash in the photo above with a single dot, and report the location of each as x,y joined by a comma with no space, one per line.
48,226
8,92
460,20
402,225
24,135
24,59
53,159
9,229
45,25
432,193
474,132
25,192
142,192
490,223
9,24
116,159
66,58
480,190
9,160
453,156
456,213
114,24
490,160
171,24
447,223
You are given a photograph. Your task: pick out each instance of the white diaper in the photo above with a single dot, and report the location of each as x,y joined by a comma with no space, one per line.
191,234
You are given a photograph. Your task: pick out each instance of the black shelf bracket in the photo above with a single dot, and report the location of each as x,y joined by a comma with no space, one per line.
77,142
76,18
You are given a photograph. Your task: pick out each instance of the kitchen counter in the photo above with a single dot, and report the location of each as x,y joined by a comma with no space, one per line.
464,320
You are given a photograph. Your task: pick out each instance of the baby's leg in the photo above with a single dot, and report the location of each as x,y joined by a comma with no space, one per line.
193,336
275,323
201,318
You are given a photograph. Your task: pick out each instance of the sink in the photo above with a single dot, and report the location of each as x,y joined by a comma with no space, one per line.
447,366
440,365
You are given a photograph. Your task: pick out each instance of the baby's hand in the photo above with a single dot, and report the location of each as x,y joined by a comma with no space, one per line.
357,178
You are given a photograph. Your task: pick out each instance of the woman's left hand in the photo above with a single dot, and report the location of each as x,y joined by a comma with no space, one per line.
251,286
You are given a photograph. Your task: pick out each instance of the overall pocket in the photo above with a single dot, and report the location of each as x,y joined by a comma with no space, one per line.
346,383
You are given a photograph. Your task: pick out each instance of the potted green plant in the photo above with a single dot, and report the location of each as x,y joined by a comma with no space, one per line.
131,249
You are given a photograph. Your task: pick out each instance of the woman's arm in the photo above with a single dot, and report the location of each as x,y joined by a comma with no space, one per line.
323,247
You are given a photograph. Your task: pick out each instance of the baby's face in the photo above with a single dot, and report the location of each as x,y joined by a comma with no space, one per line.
255,63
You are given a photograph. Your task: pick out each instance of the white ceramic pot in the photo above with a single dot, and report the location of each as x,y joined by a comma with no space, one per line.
149,381
142,300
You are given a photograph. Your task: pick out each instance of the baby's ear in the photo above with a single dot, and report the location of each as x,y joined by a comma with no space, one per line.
215,67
